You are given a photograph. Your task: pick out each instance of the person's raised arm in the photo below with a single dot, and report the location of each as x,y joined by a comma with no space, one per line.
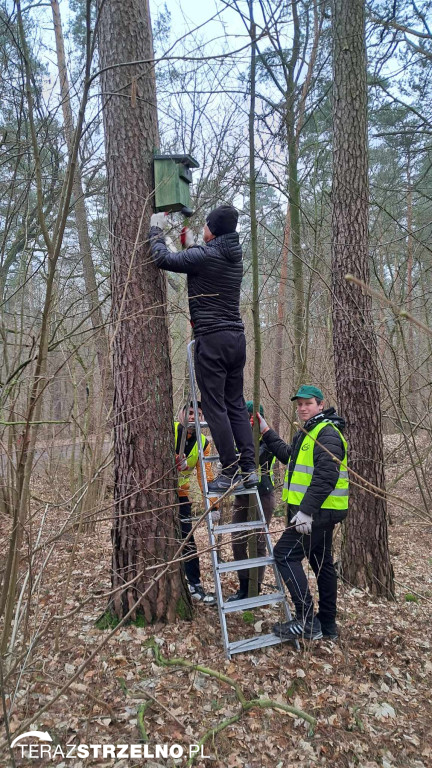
188,261
274,443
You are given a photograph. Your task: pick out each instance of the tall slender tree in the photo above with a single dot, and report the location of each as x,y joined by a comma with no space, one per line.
101,341
366,560
145,523
253,573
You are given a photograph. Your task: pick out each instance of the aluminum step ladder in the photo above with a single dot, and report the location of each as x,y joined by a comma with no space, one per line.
259,525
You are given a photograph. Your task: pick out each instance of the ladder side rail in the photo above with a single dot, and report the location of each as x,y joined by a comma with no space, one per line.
216,578
213,551
184,433
196,415
222,605
279,581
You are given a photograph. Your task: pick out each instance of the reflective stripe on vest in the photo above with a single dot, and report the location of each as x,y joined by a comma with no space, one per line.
270,473
191,460
301,477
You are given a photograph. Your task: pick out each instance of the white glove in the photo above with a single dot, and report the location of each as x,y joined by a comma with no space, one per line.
181,464
159,220
302,522
263,426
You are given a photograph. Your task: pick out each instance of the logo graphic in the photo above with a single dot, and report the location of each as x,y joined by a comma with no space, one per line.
40,749
41,735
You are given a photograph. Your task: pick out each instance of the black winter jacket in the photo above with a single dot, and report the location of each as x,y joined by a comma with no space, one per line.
326,471
215,272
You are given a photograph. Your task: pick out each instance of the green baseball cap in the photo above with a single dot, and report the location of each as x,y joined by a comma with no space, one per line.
307,391
249,406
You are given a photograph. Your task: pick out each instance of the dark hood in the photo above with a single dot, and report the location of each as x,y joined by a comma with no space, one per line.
329,414
228,246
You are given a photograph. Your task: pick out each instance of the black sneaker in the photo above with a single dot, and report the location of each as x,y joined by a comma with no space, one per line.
223,483
250,479
241,594
297,628
330,631
200,596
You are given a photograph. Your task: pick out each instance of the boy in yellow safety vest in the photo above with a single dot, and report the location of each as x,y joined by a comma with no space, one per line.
316,491
186,465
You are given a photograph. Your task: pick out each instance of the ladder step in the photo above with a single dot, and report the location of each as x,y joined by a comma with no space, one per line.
250,643
215,457
239,490
238,565
234,527
253,602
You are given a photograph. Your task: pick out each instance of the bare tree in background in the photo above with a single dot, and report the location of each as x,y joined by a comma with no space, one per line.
145,523
365,558
101,341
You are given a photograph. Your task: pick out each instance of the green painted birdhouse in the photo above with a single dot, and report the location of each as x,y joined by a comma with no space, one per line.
173,176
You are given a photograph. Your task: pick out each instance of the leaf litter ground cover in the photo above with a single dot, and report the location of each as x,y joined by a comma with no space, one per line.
370,692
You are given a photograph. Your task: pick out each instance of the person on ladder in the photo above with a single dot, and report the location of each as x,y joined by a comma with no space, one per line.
240,514
214,274
316,490
186,464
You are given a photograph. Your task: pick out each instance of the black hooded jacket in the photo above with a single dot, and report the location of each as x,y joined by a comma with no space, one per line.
215,272
326,471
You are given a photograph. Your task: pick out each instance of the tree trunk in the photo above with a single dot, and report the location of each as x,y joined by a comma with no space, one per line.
294,206
412,357
101,339
253,572
280,327
365,557
145,528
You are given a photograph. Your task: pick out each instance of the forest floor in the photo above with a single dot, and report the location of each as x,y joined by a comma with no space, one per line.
370,692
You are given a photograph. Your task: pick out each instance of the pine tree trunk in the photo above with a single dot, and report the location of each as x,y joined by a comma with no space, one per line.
365,557
145,530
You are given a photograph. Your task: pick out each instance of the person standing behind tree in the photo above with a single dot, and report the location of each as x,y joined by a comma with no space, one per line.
240,514
316,491
186,465
214,274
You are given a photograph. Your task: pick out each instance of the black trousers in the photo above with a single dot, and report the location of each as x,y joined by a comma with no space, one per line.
192,566
239,540
219,362
289,552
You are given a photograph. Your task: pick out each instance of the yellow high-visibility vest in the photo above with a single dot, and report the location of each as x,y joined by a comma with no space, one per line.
191,460
301,478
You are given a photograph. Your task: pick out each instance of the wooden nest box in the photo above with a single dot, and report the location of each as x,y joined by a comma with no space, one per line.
173,175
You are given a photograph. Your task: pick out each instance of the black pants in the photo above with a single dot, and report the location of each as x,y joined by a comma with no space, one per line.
239,540
192,566
289,552
219,361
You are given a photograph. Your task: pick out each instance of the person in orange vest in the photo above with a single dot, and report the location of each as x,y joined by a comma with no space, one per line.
186,465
